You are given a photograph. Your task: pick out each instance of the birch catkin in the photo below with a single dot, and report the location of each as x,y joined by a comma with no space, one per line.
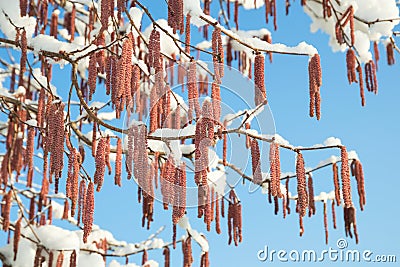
256,162
88,212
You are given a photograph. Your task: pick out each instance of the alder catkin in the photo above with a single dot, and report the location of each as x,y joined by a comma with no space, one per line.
166,254
256,162
333,214
345,174
351,66
17,236
311,202
376,54
100,161
361,84
30,146
118,163
88,211
390,53
326,223
60,259
301,185
336,182
260,94
6,208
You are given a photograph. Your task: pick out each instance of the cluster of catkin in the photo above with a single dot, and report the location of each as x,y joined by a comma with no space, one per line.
218,55
234,219
347,17
175,15
315,82
270,10
54,139
358,173
142,171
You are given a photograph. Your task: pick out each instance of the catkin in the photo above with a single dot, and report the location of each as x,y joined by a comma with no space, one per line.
30,146
23,60
256,162
60,259
376,54
311,202
390,54
260,94
361,84
17,237
345,173
351,66
301,185
326,223
166,254
6,208
118,163
100,161
88,212
336,183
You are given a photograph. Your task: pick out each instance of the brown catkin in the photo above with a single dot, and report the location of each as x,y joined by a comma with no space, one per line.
376,54
23,60
326,223
333,214
345,174
361,84
107,154
370,77
66,210
88,212
60,259
30,146
359,174
72,26
23,5
301,185
81,199
390,54
260,94
100,161
6,208
166,254
336,182
256,162
17,236
38,257
118,163
187,34
287,196
351,66
311,202
72,259
92,75
236,15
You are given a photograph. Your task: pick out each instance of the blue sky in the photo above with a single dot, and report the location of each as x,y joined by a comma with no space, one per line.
372,131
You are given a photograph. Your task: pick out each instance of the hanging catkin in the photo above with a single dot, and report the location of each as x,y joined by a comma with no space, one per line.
30,146
166,257
256,162
17,236
315,82
118,163
336,182
301,185
326,223
24,49
100,161
361,84
260,94
370,77
345,173
376,54
311,202
351,66
88,212
390,53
